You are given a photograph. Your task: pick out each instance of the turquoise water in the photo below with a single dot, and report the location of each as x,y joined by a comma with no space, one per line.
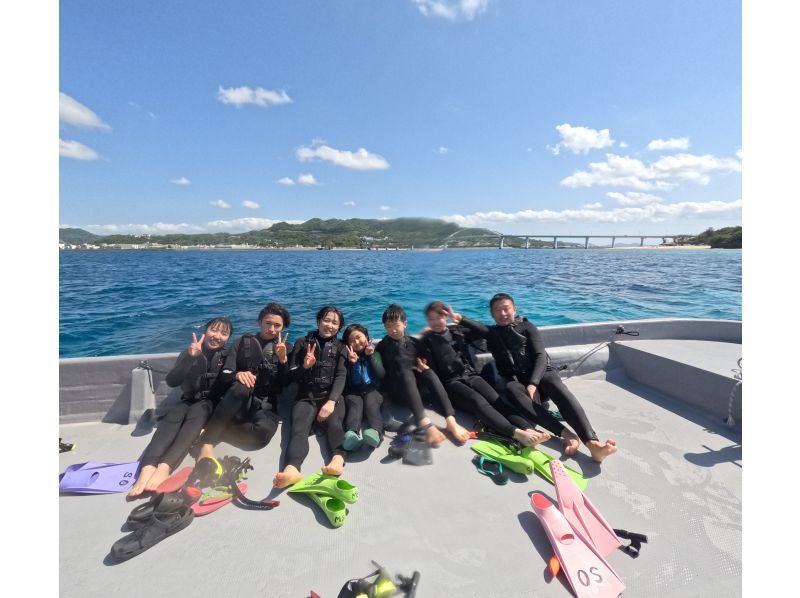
127,302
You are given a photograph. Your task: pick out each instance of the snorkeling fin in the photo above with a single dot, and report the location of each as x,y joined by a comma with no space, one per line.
541,464
98,478
503,454
586,570
581,514
334,508
327,485
418,451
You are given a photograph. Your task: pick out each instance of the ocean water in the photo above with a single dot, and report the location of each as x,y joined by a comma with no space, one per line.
128,302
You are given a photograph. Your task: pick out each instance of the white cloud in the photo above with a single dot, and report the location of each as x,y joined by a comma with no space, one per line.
442,150
361,159
634,198
664,173
239,96
385,208
350,203
581,139
181,181
592,206
655,212
285,181
250,205
739,153
72,112
673,143
622,144
162,228
75,150
138,107
219,204
452,10
307,179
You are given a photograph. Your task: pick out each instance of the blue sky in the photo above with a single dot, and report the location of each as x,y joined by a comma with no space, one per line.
523,116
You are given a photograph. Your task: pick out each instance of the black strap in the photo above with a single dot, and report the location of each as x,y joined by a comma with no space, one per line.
233,467
632,550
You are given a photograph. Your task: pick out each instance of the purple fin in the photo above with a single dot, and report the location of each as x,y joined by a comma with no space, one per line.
98,478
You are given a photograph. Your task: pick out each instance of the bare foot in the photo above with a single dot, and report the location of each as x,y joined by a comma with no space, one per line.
571,440
141,481
434,436
601,451
207,451
335,467
530,437
159,475
460,433
290,475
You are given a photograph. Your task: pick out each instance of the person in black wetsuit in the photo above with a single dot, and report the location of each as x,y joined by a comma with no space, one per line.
361,394
521,359
318,365
196,371
405,360
448,347
256,370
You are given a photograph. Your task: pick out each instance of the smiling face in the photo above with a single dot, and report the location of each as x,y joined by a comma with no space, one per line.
395,328
504,312
437,321
357,341
270,326
216,336
329,325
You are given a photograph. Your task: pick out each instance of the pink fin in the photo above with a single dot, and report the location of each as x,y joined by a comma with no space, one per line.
175,482
209,505
581,514
588,573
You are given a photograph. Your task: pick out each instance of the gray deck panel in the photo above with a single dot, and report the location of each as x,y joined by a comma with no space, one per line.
677,478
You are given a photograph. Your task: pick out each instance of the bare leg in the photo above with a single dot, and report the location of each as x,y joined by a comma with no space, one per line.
206,450
290,475
460,433
601,451
144,475
335,467
161,473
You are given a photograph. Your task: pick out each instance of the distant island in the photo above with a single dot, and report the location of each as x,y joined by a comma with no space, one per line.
352,233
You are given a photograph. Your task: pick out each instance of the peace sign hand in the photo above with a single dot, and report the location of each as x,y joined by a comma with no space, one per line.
352,356
456,317
309,360
280,347
369,349
197,345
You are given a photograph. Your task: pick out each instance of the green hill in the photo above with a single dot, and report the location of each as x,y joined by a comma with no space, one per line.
77,236
728,238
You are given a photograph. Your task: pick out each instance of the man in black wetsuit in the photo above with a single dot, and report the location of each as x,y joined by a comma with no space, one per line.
197,372
256,370
318,366
522,360
448,347
402,356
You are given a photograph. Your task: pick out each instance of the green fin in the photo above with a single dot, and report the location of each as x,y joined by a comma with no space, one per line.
327,485
333,508
541,463
504,455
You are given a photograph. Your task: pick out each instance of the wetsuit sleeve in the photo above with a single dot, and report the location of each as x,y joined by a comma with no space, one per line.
475,329
536,345
228,373
339,377
180,370
376,365
295,361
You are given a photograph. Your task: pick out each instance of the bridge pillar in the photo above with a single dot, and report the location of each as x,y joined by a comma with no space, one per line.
527,242
641,242
664,240
502,238
613,242
555,242
586,244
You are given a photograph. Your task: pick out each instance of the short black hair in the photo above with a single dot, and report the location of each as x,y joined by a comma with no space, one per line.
353,328
393,313
499,297
436,306
276,309
221,320
330,309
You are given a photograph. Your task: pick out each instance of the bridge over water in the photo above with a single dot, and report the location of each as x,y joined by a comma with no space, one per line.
501,238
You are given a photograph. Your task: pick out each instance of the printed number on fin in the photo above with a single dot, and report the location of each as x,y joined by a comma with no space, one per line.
584,577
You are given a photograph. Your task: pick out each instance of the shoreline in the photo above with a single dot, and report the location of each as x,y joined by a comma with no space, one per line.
418,249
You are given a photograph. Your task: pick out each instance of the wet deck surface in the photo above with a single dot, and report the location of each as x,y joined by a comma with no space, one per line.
677,478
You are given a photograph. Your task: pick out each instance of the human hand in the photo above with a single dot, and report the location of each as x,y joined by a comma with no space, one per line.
309,360
246,379
280,347
532,390
326,410
422,365
197,345
456,317
369,349
352,356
